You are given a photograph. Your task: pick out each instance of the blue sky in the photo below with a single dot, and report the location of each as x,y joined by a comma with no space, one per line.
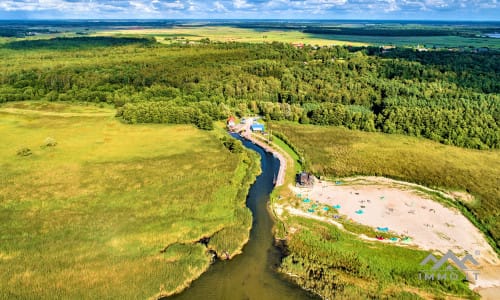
252,9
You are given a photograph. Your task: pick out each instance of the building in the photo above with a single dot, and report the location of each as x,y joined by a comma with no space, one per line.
257,127
304,179
231,121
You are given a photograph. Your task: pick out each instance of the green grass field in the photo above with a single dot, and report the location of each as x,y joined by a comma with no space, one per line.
246,35
414,41
113,210
338,152
232,34
337,265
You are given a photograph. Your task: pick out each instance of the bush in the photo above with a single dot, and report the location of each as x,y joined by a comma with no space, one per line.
24,152
232,144
164,112
49,142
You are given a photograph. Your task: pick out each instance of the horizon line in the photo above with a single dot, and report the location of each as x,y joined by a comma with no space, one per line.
250,19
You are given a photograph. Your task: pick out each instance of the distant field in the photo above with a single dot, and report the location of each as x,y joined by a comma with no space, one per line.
56,107
334,151
413,41
113,210
233,34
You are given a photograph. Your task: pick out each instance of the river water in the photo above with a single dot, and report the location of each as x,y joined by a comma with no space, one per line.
250,275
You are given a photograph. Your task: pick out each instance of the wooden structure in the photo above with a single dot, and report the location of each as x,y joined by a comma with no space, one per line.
304,179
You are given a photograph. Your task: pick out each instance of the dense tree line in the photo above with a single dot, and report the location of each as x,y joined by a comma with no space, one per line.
164,112
449,97
381,31
76,43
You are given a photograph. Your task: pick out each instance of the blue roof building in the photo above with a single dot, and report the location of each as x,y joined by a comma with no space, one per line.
257,127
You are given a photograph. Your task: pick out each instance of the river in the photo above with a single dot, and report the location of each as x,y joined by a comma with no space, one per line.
250,275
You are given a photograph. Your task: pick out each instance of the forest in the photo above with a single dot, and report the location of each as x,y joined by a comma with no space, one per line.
445,96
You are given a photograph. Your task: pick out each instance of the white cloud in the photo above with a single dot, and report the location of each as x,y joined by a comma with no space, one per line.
437,3
252,8
143,7
58,5
239,4
219,7
173,5
391,6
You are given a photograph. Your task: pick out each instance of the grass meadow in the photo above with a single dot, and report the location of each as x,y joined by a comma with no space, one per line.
414,41
337,265
248,35
334,263
233,34
339,152
113,210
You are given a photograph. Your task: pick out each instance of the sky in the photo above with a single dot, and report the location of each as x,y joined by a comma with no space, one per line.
476,10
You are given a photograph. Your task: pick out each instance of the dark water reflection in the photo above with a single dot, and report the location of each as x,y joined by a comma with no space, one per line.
251,274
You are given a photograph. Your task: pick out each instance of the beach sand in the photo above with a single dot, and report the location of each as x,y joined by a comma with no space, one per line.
407,211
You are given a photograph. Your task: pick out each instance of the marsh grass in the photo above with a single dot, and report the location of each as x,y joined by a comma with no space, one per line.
334,151
335,264
91,217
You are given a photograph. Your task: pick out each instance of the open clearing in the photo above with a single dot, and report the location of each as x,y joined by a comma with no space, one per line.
232,34
248,35
405,211
339,152
113,210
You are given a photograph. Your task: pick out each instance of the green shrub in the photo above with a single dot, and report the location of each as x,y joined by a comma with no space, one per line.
24,152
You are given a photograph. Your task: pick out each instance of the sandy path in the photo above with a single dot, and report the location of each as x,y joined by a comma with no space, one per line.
247,134
407,212
280,178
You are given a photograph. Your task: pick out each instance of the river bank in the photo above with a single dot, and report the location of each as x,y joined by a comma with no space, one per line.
307,242
253,169
280,178
252,274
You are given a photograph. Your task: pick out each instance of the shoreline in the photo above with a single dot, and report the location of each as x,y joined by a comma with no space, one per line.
488,282
246,188
485,288
280,178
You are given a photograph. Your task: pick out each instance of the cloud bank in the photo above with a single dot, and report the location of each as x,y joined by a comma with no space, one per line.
258,9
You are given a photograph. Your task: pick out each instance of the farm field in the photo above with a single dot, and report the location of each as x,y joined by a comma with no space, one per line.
101,209
232,34
258,35
415,41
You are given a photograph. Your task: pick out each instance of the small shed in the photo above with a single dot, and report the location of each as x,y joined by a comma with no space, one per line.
231,121
257,127
304,179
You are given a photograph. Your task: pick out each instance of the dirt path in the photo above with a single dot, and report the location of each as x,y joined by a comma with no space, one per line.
246,133
280,178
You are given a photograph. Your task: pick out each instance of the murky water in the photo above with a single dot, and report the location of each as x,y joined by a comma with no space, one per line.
251,274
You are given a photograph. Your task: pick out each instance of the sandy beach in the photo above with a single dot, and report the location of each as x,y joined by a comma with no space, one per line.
405,211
